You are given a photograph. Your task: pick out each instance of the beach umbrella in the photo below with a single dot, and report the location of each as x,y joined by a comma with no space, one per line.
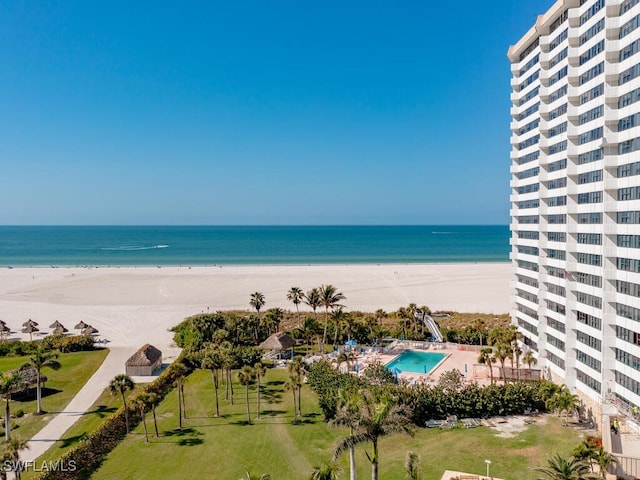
30,329
4,331
351,343
60,330
396,371
81,325
30,323
2,322
89,330
56,324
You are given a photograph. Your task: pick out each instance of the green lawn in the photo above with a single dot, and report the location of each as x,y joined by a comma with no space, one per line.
223,448
61,387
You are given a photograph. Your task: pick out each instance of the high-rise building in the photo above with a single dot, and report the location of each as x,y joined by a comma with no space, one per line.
575,197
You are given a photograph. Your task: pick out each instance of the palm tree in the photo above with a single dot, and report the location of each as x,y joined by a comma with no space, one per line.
480,327
141,402
377,418
329,298
295,295
39,360
560,468
326,471
119,385
347,415
345,357
486,358
9,383
412,467
257,301
246,377
604,460
502,352
181,371
338,316
212,360
563,401
312,298
529,359
297,369
260,372
153,400
13,448
292,385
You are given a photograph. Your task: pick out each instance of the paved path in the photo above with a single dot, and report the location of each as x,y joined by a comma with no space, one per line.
88,394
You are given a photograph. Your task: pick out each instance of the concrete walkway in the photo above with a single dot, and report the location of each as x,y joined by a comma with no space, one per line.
88,394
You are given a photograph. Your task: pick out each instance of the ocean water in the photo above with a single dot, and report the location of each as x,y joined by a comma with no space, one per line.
250,245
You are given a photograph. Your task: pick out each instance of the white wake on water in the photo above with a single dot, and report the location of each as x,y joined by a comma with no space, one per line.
131,248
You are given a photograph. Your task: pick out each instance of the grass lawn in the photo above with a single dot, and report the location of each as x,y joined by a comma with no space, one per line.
61,387
223,448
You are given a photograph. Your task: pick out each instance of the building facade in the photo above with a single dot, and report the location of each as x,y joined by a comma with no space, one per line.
575,196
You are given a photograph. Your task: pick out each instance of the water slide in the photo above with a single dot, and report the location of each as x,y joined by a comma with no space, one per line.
432,326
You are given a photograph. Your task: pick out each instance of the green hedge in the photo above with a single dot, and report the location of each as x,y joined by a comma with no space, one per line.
90,452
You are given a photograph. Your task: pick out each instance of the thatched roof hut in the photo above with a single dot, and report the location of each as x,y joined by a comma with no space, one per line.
30,323
89,330
81,325
56,324
278,341
30,329
145,361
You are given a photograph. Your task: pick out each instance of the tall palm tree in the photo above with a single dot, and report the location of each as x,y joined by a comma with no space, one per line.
338,316
486,358
529,359
347,415
181,371
480,327
297,369
312,298
13,448
257,301
212,361
326,471
502,352
329,298
9,383
292,385
153,400
377,418
295,295
260,372
245,377
141,402
119,385
39,360
560,468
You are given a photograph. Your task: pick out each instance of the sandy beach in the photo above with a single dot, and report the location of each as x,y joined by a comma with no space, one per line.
134,305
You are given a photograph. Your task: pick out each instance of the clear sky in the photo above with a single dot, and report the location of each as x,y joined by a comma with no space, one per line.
265,112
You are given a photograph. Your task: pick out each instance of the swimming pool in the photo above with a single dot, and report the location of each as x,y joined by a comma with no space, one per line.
412,361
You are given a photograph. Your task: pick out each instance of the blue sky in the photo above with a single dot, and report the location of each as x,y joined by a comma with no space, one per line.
283,112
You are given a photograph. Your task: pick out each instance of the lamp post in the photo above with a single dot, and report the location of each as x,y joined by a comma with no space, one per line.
488,462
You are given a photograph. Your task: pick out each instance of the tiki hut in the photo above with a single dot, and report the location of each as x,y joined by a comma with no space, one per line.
30,329
61,330
30,323
81,325
56,324
144,362
89,330
4,331
278,342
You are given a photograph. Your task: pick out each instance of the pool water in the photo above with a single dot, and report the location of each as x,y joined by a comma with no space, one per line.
412,361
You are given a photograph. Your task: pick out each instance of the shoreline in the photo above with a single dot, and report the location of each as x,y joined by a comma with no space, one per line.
257,265
131,306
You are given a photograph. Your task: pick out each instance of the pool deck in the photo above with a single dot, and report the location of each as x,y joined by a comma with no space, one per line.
456,359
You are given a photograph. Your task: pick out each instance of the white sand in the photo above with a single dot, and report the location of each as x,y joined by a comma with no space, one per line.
131,306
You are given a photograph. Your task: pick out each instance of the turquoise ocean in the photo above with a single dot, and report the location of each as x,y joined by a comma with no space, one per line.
250,245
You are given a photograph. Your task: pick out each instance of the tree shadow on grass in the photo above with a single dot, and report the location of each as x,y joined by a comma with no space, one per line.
186,437
29,395
272,413
70,441
101,411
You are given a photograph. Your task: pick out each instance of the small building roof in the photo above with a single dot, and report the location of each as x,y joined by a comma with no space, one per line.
278,341
146,356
